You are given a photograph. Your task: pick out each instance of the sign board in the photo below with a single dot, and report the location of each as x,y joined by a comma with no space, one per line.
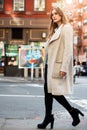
31,55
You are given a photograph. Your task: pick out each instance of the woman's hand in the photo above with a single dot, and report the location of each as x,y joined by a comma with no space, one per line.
62,74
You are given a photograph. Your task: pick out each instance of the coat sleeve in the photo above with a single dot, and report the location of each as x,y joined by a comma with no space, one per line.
68,47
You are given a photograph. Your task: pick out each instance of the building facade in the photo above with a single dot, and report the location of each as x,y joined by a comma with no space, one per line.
25,22
77,12
21,22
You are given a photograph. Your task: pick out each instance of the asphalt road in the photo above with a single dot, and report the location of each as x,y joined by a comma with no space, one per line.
25,101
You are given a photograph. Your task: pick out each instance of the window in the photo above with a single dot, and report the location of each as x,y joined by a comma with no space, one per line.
85,48
17,33
85,35
85,22
85,9
1,5
39,5
18,5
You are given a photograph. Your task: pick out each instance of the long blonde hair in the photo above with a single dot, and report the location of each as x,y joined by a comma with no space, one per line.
53,25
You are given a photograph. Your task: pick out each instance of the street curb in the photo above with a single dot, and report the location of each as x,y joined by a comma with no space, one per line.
19,79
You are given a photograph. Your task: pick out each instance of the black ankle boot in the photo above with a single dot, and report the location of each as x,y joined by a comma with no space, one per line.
75,115
47,120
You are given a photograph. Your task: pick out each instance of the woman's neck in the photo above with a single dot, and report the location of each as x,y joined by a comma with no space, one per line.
59,23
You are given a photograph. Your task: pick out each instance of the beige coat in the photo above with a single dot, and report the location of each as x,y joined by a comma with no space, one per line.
60,48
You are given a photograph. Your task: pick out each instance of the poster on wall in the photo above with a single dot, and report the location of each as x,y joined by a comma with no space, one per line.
2,53
31,55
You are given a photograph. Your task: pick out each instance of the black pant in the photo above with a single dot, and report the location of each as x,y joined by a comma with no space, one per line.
49,98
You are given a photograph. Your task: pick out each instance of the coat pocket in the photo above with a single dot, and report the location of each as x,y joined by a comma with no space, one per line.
56,70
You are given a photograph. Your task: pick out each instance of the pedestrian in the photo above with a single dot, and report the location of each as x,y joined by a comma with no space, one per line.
78,69
59,68
74,74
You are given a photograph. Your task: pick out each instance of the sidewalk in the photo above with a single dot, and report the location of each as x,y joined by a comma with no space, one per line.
79,80
20,79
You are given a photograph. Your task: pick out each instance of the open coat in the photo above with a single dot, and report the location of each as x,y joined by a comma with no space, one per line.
60,48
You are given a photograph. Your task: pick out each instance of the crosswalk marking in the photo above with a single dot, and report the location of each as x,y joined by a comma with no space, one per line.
80,102
27,85
9,95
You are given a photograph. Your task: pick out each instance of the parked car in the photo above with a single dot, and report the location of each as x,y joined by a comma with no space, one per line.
84,71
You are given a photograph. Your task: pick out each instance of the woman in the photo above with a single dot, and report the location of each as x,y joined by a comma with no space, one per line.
59,68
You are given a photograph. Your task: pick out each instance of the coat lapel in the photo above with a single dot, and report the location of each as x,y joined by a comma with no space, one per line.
56,34
54,37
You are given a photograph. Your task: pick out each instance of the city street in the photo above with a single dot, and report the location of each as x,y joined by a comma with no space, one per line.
22,104
29,31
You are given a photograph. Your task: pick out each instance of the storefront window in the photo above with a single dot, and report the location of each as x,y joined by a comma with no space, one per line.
12,55
18,5
39,5
1,5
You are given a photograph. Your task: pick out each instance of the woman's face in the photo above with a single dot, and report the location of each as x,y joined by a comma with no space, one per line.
56,17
